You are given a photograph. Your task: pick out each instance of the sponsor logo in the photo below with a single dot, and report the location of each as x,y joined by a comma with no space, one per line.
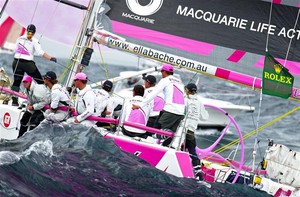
145,10
277,77
6,119
277,68
140,11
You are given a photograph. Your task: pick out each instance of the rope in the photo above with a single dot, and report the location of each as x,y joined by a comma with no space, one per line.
36,5
71,63
3,8
221,149
49,19
270,16
103,63
256,133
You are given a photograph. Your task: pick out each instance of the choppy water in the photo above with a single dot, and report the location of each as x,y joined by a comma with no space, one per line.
55,160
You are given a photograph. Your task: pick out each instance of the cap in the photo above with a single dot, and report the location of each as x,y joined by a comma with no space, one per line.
191,87
27,78
80,76
168,68
50,75
150,78
31,28
108,84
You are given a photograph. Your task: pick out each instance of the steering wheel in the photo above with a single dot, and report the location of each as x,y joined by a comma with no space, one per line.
208,152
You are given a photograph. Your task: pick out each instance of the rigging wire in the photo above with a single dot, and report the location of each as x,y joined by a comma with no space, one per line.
62,77
103,62
223,148
3,8
260,99
270,16
288,50
34,11
49,19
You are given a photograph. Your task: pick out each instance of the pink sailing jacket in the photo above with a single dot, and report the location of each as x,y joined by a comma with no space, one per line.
157,104
173,91
138,116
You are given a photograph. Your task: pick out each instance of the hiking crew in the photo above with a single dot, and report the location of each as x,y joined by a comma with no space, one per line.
195,112
102,100
173,111
85,101
157,104
60,99
139,116
37,96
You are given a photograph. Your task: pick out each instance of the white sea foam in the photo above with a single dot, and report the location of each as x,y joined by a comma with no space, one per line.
8,157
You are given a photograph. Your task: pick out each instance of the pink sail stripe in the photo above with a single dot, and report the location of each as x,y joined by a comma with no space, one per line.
23,31
185,164
178,97
277,1
4,29
236,56
163,38
294,67
238,77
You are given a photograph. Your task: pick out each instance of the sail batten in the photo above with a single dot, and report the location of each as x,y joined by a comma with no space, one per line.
152,36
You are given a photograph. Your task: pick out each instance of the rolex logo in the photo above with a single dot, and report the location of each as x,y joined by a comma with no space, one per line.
277,68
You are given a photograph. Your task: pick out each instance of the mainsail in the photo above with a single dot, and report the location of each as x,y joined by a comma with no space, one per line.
229,34
53,19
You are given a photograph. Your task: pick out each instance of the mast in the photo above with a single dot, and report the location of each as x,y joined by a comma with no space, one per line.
82,53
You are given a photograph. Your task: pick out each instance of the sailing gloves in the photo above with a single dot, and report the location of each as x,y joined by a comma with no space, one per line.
53,59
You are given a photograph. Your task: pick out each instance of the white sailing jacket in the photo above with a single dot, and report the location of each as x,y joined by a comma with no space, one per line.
195,112
38,95
26,49
102,99
85,103
157,104
59,94
173,91
113,102
138,116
